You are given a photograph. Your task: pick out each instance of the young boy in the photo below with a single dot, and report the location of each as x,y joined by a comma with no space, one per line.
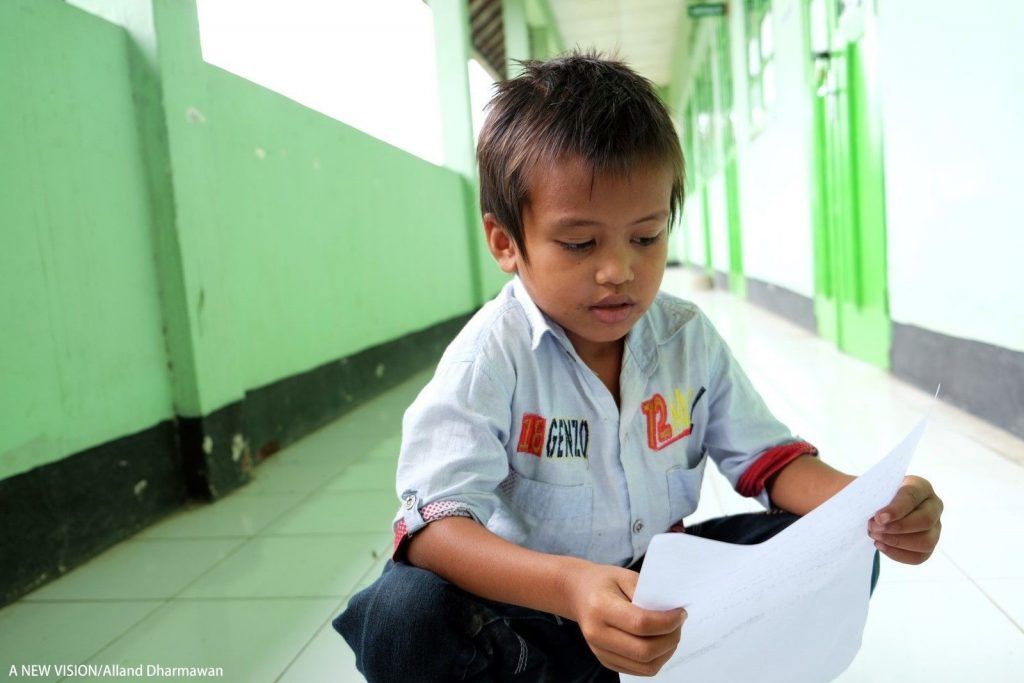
571,419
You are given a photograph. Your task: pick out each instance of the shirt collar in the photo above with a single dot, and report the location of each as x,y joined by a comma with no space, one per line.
641,342
540,324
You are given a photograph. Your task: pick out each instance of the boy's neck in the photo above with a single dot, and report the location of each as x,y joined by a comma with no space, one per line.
605,359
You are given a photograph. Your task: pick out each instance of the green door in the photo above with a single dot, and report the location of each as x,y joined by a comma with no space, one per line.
851,302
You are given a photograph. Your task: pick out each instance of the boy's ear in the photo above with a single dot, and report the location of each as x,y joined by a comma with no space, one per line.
502,247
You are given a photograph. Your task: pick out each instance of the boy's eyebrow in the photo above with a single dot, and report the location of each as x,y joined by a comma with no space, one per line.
574,222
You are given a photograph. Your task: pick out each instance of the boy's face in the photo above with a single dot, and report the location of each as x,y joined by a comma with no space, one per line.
597,246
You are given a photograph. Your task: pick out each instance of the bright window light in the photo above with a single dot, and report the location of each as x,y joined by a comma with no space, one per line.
369,64
481,88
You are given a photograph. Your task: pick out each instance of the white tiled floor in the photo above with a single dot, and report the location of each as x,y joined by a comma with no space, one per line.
251,583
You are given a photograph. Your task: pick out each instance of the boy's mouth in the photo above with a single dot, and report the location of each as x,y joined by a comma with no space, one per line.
613,309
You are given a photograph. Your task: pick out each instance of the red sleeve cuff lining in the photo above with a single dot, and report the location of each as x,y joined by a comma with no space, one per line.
401,542
771,462
429,512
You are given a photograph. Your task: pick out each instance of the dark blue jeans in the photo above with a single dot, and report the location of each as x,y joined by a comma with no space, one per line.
412,625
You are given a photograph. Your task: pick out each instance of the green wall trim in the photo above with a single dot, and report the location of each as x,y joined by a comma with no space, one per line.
847,183
737,279
706,215
681,70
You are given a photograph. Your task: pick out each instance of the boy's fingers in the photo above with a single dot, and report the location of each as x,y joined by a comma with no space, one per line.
617,662
627,583
901,555
923,541
903,503
642,622
637,649
923,518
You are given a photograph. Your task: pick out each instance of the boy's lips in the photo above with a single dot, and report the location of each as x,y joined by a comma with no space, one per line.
613,309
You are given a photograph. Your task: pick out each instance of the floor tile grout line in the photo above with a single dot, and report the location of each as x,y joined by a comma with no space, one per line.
171,599
160,604
309,642
304,498
176,596
246,540
329,619
985,593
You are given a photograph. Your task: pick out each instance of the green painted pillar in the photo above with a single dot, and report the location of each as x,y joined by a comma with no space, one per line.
517,35
451,36
137,18
198,299
549,41
203,311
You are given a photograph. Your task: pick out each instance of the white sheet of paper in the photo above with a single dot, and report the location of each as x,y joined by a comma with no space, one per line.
790,609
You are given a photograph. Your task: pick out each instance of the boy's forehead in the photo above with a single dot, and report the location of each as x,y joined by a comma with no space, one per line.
571,180
566,173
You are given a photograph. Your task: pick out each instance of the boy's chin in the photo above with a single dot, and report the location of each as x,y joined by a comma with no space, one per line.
606,334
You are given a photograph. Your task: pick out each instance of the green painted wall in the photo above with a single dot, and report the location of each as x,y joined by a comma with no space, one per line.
229,229
82,357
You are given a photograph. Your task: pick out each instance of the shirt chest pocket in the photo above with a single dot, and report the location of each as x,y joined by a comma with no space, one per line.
684,488
551,518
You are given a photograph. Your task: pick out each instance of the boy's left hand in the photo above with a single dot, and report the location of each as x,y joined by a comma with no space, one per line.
908,528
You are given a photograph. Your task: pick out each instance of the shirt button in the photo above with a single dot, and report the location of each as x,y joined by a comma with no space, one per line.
638,526
410,502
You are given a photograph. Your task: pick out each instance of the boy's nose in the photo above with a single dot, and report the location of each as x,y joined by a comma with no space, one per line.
615,269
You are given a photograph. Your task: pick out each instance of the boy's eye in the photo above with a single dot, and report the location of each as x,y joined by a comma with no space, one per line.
647,241
577,246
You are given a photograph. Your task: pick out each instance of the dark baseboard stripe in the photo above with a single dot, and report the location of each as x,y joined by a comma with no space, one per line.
721,280
56,516
280,413
796,308
983,379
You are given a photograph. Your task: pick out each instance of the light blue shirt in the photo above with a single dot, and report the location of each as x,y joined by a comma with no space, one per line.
517,432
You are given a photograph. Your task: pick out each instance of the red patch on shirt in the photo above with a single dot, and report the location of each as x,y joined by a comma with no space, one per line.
531,436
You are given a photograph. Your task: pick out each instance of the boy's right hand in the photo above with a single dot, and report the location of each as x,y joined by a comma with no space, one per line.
624,637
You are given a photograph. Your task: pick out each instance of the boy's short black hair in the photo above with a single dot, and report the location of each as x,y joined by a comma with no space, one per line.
578,105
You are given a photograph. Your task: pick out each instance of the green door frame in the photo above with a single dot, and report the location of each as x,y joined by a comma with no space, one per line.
705,149
729,166
848,197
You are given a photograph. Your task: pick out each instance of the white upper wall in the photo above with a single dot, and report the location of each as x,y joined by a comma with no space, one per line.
775,165
371,65
953,106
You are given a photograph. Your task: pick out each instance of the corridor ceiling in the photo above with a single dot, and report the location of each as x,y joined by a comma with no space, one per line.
642,32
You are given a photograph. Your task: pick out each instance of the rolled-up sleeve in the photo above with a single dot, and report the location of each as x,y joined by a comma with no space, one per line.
453,454
743,437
